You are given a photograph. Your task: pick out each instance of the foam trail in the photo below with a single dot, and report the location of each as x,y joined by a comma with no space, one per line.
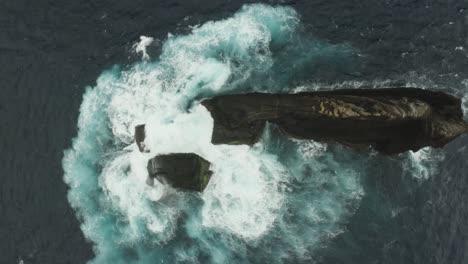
279,199
422,163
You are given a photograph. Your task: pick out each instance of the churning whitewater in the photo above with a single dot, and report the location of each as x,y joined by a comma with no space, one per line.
276,201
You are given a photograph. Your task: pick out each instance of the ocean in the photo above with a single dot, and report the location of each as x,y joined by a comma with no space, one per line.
77,77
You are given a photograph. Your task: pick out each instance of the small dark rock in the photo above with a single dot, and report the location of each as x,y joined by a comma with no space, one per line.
186,171
140,135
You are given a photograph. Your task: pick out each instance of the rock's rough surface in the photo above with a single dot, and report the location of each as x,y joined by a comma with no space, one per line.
180,170
391,120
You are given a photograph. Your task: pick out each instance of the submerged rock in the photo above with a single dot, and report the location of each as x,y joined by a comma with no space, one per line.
391,120
180,170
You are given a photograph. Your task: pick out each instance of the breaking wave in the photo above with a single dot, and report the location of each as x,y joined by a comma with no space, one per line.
277,200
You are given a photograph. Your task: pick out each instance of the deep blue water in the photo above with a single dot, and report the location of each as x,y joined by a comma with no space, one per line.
74,85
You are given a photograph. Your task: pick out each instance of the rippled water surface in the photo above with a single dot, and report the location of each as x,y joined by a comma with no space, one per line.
78,77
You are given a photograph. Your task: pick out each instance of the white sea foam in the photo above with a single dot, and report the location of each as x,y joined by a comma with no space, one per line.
141,46
419,161
422,164
309,148
276,195
465,106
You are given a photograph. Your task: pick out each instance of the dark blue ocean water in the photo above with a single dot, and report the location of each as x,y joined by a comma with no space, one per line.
74,201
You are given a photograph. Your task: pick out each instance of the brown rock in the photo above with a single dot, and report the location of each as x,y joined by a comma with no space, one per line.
391,120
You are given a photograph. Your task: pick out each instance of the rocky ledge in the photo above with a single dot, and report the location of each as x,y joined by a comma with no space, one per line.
391,120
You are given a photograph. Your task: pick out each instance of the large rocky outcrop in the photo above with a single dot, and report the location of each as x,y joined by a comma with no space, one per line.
391,120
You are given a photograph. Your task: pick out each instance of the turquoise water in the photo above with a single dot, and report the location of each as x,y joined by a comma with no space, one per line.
277,201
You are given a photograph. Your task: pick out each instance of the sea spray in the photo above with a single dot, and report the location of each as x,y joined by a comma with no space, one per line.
141,46
276,201
422,163
465,105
